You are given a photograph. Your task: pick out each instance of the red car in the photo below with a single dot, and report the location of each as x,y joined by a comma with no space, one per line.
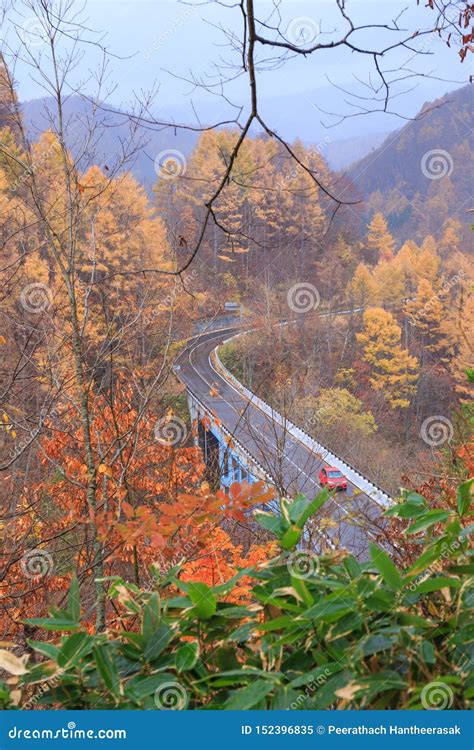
332,478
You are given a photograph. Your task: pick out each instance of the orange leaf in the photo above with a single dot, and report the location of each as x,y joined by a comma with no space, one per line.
127,509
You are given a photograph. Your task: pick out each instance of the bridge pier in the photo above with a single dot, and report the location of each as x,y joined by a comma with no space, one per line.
226,461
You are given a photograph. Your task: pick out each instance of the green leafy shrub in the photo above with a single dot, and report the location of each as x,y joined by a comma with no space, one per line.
319,631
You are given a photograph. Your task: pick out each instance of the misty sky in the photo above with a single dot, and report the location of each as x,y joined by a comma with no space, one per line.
163,40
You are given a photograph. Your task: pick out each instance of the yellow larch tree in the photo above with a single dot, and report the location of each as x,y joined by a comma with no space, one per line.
406,260
427,262
380,243
389,280
394,370
426,313
362,289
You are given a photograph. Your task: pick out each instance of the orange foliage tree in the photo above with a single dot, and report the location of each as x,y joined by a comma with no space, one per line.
152,509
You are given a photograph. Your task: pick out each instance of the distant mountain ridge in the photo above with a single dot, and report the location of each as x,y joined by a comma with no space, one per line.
114,131
78,112
341,154
421,175
385,170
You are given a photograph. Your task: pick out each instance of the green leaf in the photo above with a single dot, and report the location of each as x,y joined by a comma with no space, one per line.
381,600
74,600
386,568
330,610
286,698
53,623
427,520
326,694
223,588
157,642
247,697
373,644
352,566
291,537
462,569
151,616
407,619
313,507
203,599
187,656
317,676
406,510
416,499
140,687
380,683
413,506
424,561
276,624
242,633
106,667
434,584
297,507
428,652
47,649
244,675
268,521
464,497
74,648
302,590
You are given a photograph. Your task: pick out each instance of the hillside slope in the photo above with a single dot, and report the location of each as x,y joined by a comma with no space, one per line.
422,174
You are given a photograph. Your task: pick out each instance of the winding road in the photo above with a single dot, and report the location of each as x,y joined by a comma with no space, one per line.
291,464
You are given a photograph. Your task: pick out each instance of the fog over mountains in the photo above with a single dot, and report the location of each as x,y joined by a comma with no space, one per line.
377,161
79,114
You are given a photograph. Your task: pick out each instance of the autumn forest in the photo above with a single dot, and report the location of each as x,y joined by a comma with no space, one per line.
133,574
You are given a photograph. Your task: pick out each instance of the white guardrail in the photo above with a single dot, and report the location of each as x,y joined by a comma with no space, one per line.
370,489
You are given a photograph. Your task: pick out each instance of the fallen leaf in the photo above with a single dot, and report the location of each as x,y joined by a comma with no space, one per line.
348,691
11,663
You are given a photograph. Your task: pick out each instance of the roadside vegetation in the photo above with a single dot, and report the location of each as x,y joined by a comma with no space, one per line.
307,631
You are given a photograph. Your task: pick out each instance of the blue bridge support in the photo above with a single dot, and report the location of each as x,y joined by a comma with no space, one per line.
225,458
